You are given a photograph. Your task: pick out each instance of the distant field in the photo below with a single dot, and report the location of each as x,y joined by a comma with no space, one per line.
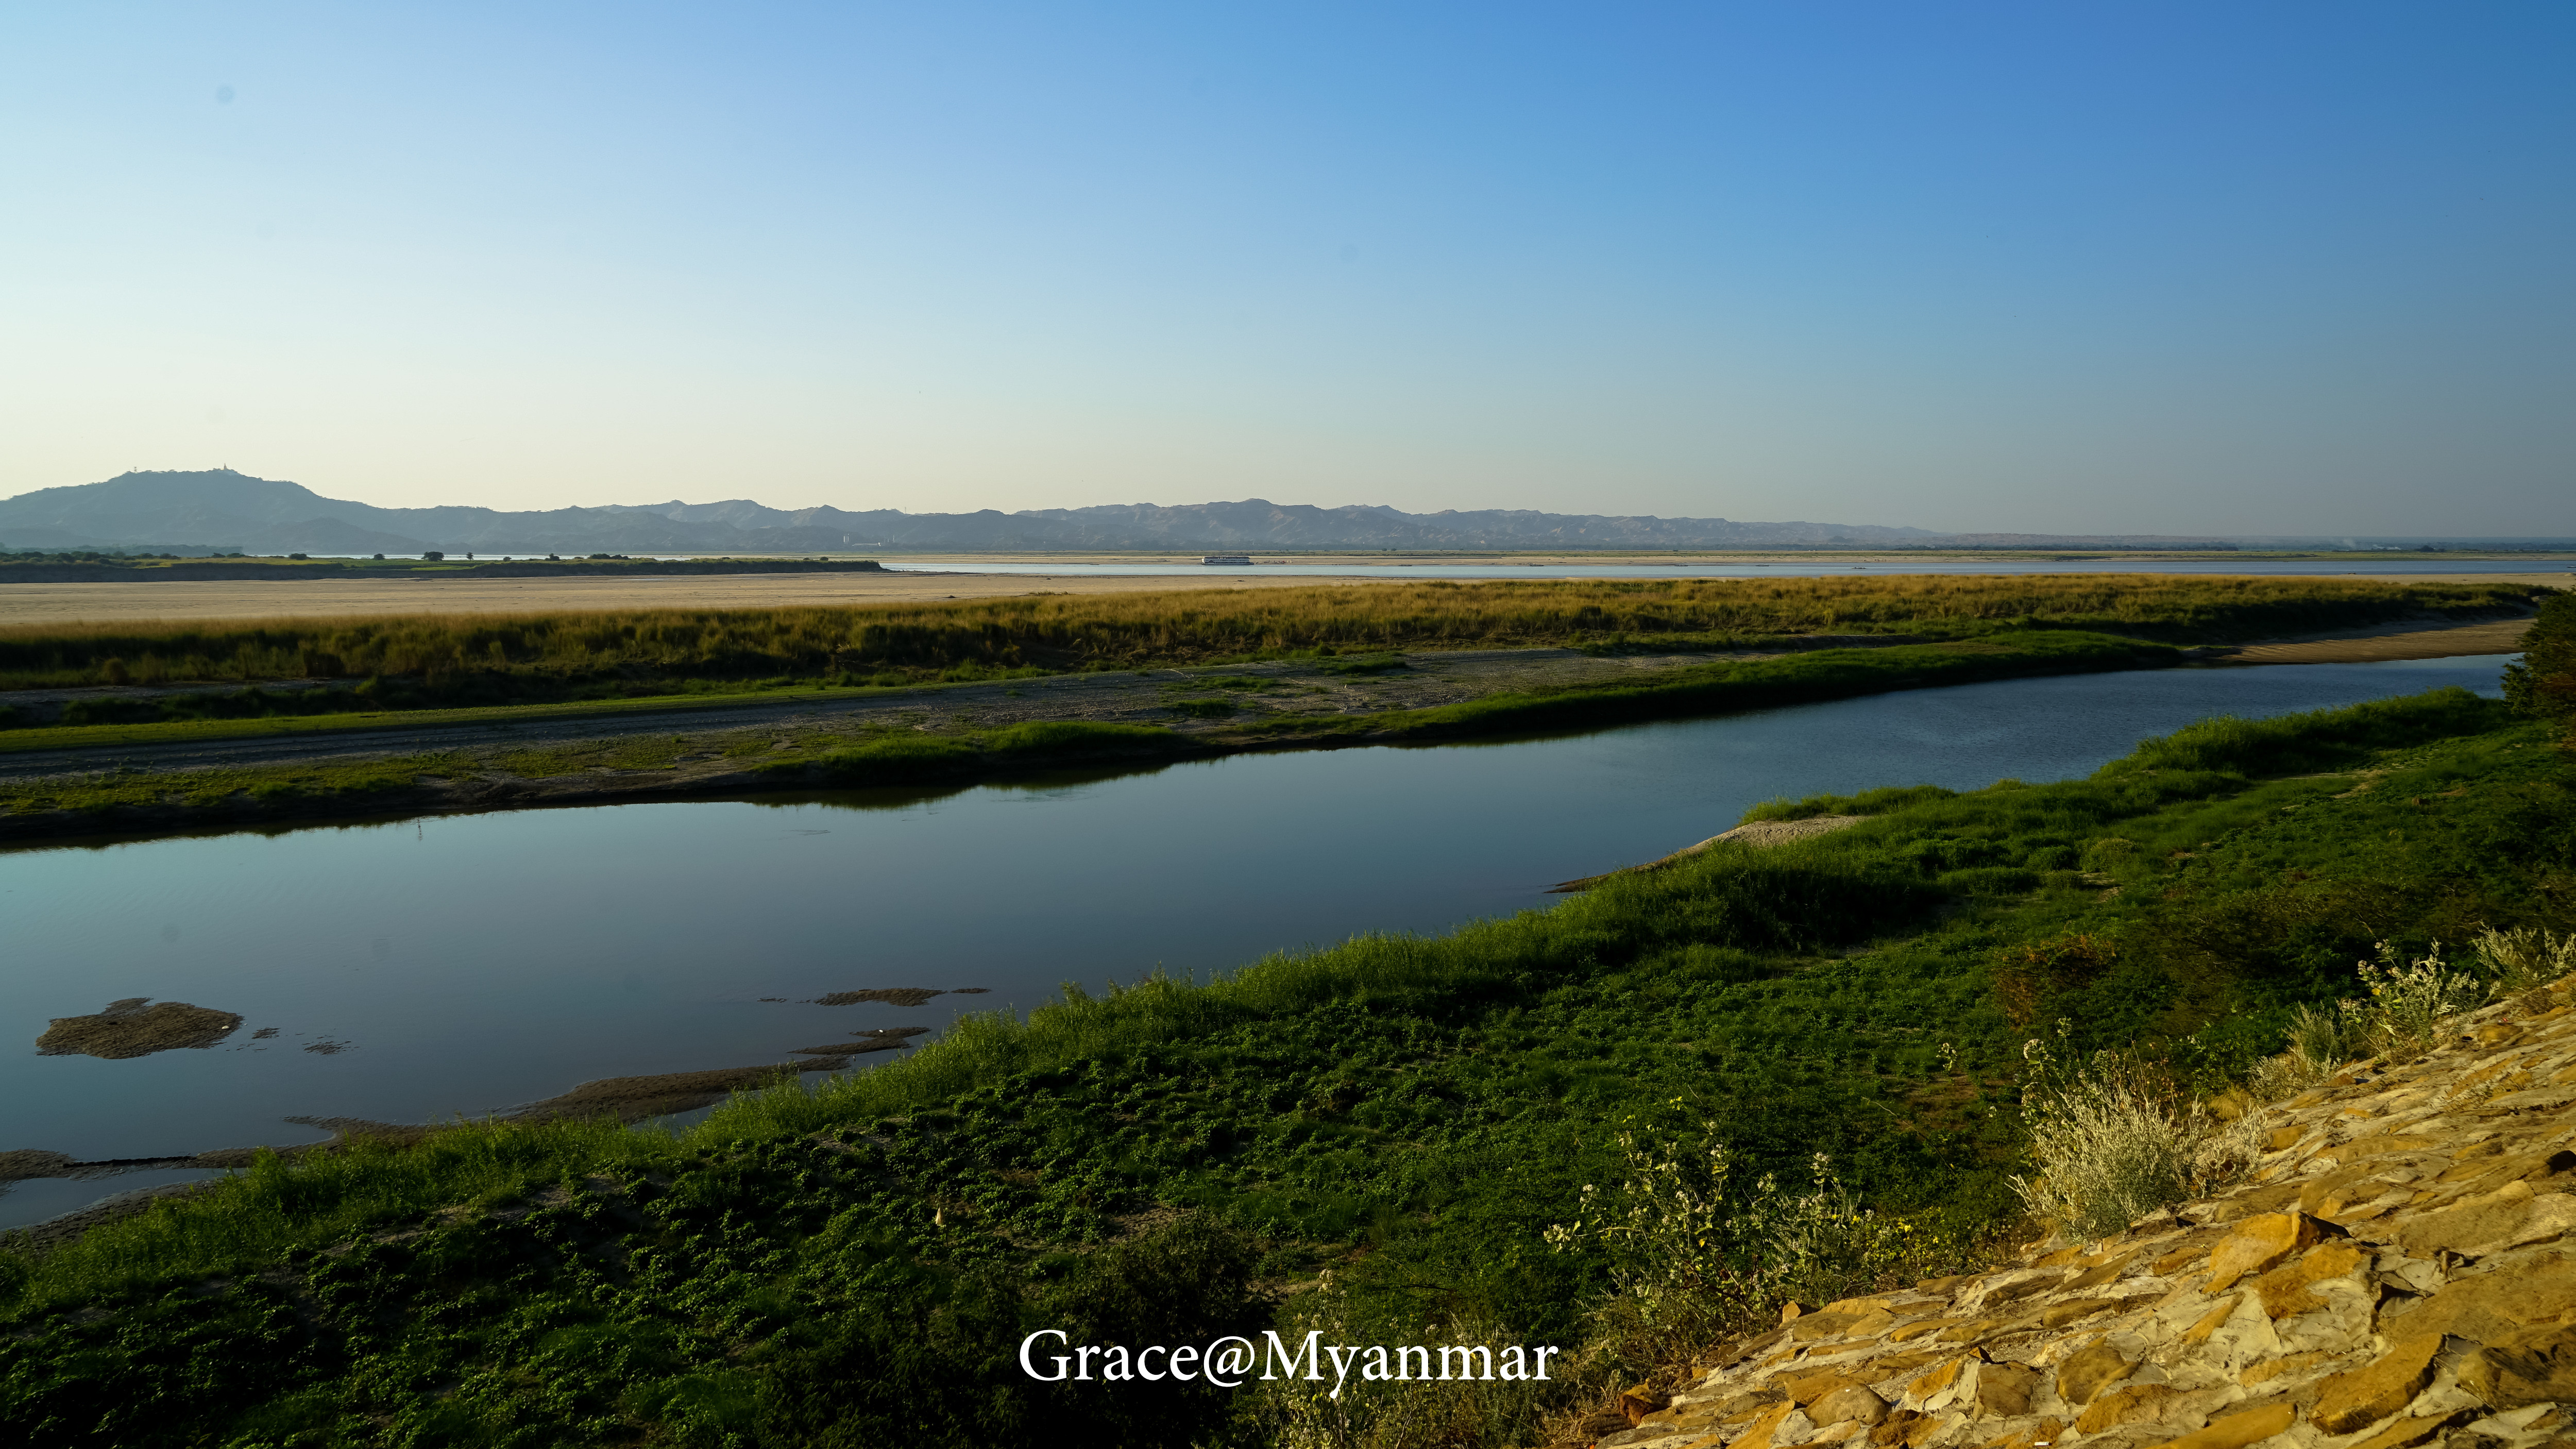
463,658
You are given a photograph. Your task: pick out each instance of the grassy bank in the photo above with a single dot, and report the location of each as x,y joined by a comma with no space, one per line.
889,755
430,660
1407,1115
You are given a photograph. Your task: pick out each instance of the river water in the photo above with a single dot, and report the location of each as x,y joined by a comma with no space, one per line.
470,963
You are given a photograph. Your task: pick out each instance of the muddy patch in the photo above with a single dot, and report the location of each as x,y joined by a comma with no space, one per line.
29,1162
631,1099
894,995
128,1028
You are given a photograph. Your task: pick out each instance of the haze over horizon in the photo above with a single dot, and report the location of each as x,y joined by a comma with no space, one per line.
2188,269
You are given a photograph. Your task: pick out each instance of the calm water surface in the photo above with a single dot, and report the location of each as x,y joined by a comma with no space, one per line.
466,964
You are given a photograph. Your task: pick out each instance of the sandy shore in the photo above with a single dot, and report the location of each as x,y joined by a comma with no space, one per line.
2370,646
309,598
42,604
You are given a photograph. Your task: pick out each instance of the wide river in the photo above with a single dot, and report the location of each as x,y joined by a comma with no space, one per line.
470,963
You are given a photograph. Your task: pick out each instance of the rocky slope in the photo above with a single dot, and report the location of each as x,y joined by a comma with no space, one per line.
2394,1269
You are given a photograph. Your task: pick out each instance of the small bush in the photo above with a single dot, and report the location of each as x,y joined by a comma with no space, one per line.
2111,1143
1694,1258
2524,957
2410,1001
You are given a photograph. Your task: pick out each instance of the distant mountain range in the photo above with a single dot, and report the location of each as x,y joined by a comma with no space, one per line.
224,509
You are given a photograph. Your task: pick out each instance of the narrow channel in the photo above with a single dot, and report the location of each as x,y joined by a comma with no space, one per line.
416,970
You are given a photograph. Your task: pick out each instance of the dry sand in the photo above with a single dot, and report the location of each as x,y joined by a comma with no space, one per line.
2387,642
309,598
126,602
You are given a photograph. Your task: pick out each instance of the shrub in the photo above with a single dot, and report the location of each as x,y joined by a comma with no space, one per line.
1691,1258
2409,1001
2111,1143
2524,957
2543,682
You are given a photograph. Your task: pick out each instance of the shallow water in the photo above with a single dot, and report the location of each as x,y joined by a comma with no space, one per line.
466,964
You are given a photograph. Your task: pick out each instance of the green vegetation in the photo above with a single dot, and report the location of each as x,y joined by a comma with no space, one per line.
907,756
2543,682
1383,1131
467,659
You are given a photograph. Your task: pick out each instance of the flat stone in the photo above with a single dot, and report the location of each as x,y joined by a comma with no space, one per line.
2273,1368
2058,1315
2485,1307
1935,1382
1805,1389
2260,1243
1807,1328
2406,1433
1854,1404
2349,1402
2088,1371
2004,1389
2285,1290
2510,1216
2235,1431
2136,1404
2042,1435
2535,1365
2211,1321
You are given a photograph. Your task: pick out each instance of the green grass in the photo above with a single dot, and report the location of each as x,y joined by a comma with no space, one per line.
891,757
852,1265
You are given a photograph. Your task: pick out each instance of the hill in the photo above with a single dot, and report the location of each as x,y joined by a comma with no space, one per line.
229,509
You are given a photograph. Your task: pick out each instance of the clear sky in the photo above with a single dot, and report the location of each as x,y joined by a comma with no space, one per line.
2181,266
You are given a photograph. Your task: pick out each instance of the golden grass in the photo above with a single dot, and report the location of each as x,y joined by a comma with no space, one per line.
900,640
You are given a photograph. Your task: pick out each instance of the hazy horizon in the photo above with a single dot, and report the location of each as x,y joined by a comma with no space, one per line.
2188,269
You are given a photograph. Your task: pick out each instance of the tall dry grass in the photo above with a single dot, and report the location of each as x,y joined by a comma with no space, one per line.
1202,625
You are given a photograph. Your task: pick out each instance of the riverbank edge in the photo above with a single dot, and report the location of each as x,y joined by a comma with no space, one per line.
963,760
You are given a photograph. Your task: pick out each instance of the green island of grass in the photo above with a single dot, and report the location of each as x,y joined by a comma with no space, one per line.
1398,1138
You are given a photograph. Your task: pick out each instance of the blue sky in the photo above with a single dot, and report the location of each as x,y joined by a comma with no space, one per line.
2172,267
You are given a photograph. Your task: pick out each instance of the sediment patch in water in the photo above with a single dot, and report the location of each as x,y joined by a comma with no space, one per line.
852,1048
128,1028
631,1099
894,995
29,1162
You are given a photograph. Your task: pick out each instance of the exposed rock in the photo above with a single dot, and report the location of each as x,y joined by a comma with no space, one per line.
2394,1270
2386,1384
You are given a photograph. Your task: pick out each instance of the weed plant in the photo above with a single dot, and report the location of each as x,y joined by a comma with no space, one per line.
2112,1138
